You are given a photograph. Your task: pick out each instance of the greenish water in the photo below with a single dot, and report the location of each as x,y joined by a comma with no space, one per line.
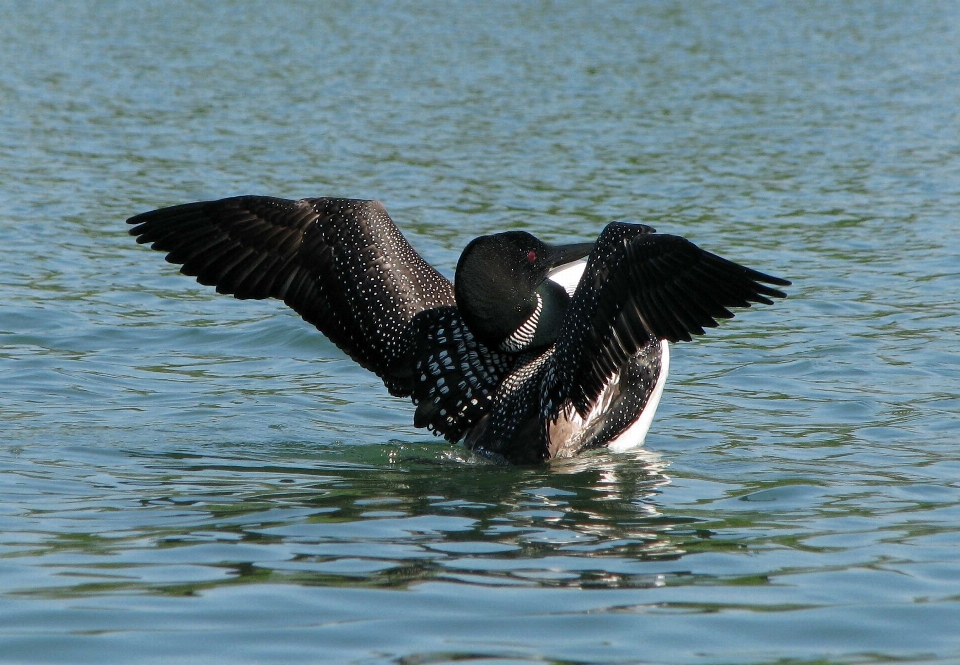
188,478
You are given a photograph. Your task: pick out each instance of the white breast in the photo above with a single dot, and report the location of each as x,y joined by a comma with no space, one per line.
568,275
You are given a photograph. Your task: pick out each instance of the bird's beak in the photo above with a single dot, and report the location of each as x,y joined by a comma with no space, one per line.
557,255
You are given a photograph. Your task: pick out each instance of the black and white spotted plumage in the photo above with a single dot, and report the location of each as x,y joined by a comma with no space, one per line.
456,377
342,264
513,429
519,366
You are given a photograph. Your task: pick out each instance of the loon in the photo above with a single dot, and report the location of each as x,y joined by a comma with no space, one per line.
535,352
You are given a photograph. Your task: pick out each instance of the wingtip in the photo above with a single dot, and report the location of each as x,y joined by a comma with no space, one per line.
772,293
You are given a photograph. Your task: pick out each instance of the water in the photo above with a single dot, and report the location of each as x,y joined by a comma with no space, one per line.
188,478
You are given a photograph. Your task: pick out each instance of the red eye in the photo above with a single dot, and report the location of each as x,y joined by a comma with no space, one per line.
531,256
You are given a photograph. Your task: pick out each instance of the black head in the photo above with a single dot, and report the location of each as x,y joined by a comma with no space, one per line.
498,281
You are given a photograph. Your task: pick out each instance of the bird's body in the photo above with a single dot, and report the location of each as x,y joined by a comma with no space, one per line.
533,353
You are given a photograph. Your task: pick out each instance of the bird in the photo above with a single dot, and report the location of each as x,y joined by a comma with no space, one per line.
536,351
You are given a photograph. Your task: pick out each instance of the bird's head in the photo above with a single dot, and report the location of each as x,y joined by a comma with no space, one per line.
503,291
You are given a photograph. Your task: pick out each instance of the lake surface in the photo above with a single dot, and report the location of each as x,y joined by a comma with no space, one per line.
188,478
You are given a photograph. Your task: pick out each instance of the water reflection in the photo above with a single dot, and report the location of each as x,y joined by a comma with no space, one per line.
382,516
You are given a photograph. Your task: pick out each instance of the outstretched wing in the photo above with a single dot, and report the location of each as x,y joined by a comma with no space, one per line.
342,264
640,284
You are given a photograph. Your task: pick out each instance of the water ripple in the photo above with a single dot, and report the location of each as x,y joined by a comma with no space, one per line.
192,479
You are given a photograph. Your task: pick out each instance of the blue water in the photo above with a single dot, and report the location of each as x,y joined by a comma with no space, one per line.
187,478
